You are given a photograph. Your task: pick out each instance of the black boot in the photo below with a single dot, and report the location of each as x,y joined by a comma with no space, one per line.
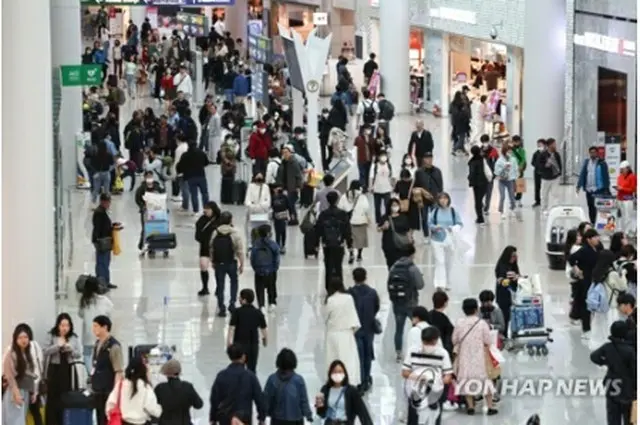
204,277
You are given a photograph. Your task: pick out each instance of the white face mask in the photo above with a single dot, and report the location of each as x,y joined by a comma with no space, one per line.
408,162
149,181
540,148
337,377
383,159
367,132
231,125
395,209
276,84
325,115
262,131
285,108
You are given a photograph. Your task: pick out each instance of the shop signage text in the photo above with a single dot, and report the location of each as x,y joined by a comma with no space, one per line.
450,14
194,3
80,75
260,48
320,18
606,43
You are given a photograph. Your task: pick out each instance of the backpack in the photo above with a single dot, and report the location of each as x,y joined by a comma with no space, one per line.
262,256
387,110
84,278
222,249
435,216
332,233
597,298
398,284
368,113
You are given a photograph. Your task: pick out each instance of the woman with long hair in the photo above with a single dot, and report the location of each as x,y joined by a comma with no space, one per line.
341,324
135,395
617,241
176,397
19,370
63,350
205,226
443,222
573,242
92,304
393,222
339,401
357,206
507,273
506,171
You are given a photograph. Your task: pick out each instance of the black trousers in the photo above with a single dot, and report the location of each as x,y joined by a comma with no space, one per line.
506,313
280,422
591,205
580,305
618,413
326,152
268,283
251,349
333,257
412,414
100,400
34,408
537,182
478,196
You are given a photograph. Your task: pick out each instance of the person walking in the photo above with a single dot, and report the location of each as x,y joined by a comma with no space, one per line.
265,262
550,166
357,207
247,328
537,180
506,171
333,230
479,176
227,257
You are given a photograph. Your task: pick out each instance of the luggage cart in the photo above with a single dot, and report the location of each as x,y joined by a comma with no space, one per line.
561,218
527,326
606,215
157,234
254,221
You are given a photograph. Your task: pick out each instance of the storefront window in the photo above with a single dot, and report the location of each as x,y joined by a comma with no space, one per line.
612,105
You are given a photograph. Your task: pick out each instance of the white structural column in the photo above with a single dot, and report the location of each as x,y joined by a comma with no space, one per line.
137,15
66,48
236,20
28,268
394,52
544,72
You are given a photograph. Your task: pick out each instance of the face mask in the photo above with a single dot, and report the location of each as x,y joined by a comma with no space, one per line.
540,148
254,128
325,115
276,84
262,131
337,377
231,125
300,137
285,108
383,159
395,209
149,181
367,133
408,162
485,145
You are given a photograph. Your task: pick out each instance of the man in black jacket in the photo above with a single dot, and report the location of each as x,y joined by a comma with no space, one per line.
369,68
333,230
582,262
102,239
176,396
324,128
627,307
429,178
550,168
535,163
421,142
192,167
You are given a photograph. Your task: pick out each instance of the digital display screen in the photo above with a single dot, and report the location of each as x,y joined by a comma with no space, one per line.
291,57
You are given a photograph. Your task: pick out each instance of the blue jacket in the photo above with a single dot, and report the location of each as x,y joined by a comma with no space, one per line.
238,387
445,219
99,57
261,269
507,166
241,86
602,176
286,399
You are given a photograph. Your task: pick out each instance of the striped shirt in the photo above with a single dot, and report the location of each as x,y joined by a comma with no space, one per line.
433,356
429,365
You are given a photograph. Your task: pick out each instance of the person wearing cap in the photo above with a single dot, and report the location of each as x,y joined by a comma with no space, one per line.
182,82
102,239
593,180
176,397
627,184
299,144
290,179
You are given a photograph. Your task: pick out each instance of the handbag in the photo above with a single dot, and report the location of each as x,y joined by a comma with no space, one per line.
454,354
491,365
115,238
404,203
487,170
634,412
401,242
104,244
115,416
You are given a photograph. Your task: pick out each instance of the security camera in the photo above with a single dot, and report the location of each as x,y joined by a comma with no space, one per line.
493,33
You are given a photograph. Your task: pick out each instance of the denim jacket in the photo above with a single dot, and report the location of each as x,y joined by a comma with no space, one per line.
507,168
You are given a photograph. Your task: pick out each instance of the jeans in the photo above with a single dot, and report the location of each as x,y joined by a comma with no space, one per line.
591,204
478,195
618,413
401,314
131,85
425,220
198,184
280,231
364,341
508,187
103,262
228,95
101,183
380,200
487,196
363,173
13,414
333,257
459,140
184,192
222,270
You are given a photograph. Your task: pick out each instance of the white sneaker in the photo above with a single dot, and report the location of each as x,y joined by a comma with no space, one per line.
272,308
426,241
512,213
586,335
575,322
263,310
177,199
449,406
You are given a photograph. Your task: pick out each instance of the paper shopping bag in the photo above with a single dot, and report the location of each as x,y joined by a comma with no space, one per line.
521,185
115,236
634,412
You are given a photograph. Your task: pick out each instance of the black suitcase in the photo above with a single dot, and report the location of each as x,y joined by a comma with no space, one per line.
239,191
306,196
310,242
226,190
162,242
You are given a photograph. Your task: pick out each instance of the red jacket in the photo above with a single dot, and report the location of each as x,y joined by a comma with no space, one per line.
627,186
365,149
259,146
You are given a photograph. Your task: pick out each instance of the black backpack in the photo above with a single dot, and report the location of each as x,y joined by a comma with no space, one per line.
222,248
387,110
435,216
368,113
332,237
398,283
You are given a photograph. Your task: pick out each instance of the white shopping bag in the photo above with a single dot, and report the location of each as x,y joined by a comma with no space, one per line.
493,348
529,285
155,201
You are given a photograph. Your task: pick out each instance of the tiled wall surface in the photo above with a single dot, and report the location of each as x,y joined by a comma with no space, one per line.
621,8
585,80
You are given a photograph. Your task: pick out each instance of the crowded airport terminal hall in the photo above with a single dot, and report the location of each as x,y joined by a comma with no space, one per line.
326,212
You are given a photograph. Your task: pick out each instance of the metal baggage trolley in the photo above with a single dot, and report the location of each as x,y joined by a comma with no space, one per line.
527,326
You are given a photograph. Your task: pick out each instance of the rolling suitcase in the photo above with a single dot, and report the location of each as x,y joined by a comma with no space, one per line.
310,242
76,416
306,196
162,242
239,191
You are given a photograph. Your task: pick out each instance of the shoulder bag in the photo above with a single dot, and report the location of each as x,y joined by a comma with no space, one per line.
115,416
42,383
457,347
353,208
404,203
401,242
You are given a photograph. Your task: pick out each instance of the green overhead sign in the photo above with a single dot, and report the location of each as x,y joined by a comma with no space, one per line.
80,75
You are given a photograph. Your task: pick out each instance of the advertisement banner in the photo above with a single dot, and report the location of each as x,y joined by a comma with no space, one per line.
613,156
187,3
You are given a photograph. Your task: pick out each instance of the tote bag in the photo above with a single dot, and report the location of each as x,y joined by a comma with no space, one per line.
115,416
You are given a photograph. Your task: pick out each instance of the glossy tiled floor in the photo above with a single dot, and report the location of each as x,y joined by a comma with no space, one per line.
199,336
